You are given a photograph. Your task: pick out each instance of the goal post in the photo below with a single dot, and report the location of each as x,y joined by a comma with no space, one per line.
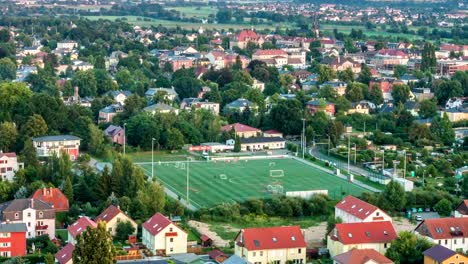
276,173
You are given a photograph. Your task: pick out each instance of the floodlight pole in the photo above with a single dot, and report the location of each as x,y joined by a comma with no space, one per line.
152,158
188,182
125,138
404,166
349,150
383,162
303,138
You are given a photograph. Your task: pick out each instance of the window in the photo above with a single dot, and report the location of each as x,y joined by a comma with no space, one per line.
454,241
4,234
377,214
41,214
29,214
258,262
171,239
5,253
261,253
170,229
118,219
299,251
385,245
171,249
5,244
29,223
276,262
446,242
254,254
110,229
9,169
440,242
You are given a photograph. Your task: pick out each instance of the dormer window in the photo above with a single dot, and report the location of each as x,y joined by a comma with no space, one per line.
16,215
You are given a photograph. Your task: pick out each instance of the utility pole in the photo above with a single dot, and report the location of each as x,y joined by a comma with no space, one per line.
125,138
355,153
364,126
404,167
383,162
329,145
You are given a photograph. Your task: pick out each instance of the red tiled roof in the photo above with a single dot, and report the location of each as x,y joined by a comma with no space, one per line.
238,127
462,208
247,34
364,233
7,154
362,256
65,254
204,238
271,238
272,131
157,223
443,228
216,253
80,226
53,197
270,52
327,41
108,214
356,207
449,47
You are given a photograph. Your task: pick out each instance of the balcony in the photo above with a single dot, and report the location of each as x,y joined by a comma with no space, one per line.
41,227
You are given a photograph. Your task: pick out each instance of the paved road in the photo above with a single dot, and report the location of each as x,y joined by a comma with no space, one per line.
342,165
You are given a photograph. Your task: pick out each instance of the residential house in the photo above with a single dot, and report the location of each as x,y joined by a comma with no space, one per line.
448,67
456,114
23,72
272,133
9,165
412,107
461,210
210,106
67,45
388,58
112,216
116,134
178,51
161,108
220,59
65,255
54,197
56,145
421,94
361,256
441,255
262,143
170,93
217,255
163,237
448,232
241,130
79,65
315,105
13,240
355,210
38,216
364,235
279,58
119,96
240,105
385,84
258,85
179,62
342,63
362,107
340,87
244,37
79,227
279,245
107,113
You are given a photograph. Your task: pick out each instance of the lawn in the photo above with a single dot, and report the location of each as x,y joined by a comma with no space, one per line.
62,234
212,182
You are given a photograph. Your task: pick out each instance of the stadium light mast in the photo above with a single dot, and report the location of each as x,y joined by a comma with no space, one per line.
188,182
152,158
349,150
303,138
125,138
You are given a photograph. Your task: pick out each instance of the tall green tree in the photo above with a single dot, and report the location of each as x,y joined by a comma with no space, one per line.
394,197
237,144
86,82
325,74
35,126
94,246
429,61
376,95
7,69
400,93
8,136
442,129
443,207
68,189
123,230
428,109
408,248
365,75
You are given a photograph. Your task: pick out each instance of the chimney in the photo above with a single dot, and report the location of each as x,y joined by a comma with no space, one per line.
32,203
76,92
44,191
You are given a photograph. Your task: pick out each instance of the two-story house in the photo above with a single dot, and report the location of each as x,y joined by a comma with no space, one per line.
49,145
241,130
9,165
355,210
112,216
53,197
161,236
441,255
116,134
364,235
276,245
65,255
449,232
120,96
79,227
108,113
13,240
361,256
38,216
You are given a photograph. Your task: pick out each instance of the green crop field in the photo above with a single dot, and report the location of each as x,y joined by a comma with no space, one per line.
212,182
191,11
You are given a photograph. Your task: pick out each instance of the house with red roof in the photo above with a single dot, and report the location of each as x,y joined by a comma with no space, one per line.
65,255
387,58
53,197
354,210
462,209
242,130
449,232
281,244
162,237
272,133
361,256
112,216
79,227
367,235
244,37
9,165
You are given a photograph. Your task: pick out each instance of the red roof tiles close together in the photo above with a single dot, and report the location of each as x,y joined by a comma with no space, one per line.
80,226
443,228
108,214
364,233
271,238
238,127
362,256
157,223
53,197
356,207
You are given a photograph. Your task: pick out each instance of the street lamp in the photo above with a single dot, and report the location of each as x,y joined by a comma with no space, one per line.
383,162
125,137
152,158
349,150
188,182
303,137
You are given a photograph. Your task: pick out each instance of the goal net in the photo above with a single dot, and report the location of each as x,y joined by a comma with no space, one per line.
275,188
276,173
223,176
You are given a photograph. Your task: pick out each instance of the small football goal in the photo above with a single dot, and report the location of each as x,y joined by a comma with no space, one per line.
275,188
223,176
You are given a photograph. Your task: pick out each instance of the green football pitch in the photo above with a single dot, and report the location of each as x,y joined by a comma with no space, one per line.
215,182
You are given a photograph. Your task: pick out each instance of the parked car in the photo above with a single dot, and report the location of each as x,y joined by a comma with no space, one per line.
418,218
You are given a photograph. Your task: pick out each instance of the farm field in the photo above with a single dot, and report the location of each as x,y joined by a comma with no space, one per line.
200,12
212,182
139,21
